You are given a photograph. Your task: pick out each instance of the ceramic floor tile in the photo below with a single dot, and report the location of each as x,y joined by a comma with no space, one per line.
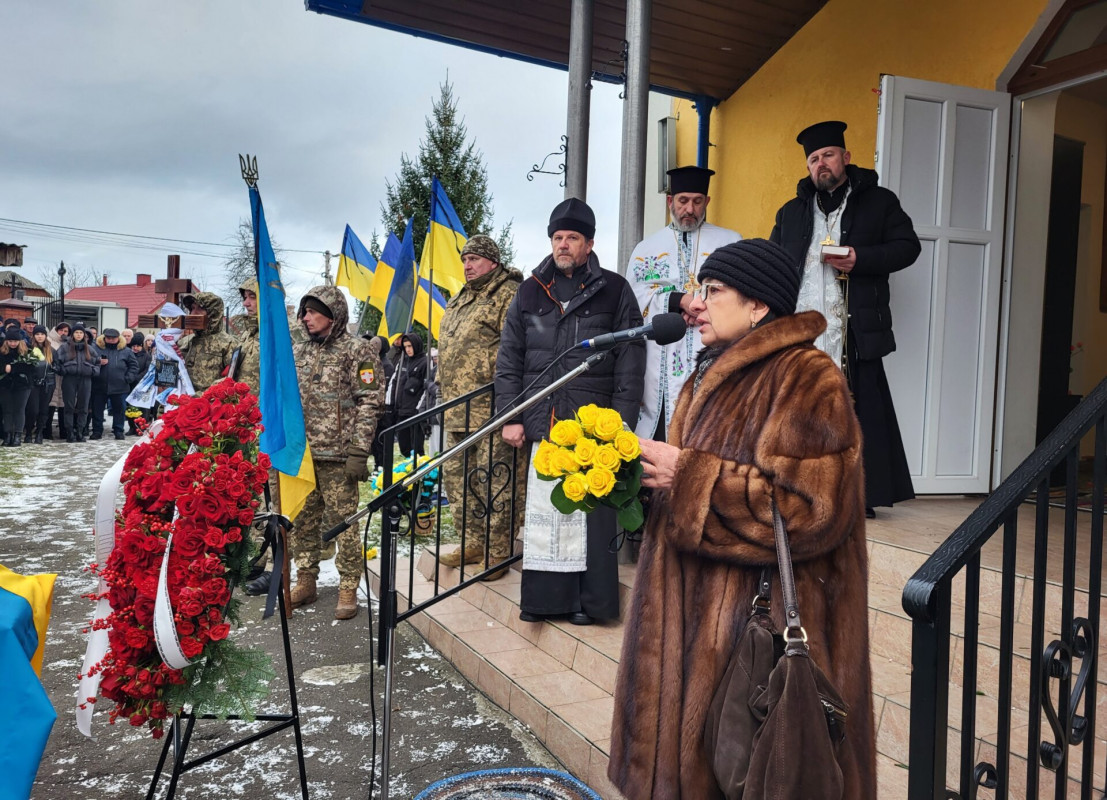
591,718
525,662
560,688
493,640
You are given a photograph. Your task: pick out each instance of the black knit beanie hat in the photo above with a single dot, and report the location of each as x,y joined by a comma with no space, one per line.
39,329
318,306
13,335
759,269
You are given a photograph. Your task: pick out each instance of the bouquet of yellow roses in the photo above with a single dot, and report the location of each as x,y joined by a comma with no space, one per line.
595,460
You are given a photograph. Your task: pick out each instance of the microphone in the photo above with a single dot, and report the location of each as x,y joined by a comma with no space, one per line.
664,329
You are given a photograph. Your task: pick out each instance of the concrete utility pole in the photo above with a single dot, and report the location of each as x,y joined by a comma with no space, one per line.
632,194
327,268
580,88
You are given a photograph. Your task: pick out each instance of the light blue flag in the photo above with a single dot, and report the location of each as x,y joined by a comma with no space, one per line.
283,439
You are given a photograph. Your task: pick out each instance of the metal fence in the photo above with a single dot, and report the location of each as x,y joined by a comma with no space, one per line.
1042,740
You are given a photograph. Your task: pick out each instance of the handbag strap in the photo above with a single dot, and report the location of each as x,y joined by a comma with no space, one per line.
794,634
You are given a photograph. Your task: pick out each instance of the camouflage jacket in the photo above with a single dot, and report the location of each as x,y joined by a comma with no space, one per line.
208,352
470,341
341,384
249,347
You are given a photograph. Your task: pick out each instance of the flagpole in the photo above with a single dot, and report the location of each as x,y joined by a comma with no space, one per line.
430,271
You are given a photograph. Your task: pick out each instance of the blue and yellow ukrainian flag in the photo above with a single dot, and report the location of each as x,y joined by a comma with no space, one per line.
429,301
26,715
355,268
401,294
441,257
283,438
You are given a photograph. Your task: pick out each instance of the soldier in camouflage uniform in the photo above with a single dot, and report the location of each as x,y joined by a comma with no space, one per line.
341,388
249,349
206,353
467,351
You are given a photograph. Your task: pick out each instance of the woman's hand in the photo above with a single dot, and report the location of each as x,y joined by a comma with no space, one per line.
659,462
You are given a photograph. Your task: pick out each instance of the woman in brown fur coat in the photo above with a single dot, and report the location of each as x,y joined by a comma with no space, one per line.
766,416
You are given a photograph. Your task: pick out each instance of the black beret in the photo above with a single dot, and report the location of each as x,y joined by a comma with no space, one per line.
573,215
822,134
759,269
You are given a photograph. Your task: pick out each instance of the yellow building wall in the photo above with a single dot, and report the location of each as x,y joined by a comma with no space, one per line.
1086,122
831,69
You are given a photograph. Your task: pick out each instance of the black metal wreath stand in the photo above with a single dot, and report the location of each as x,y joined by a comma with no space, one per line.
180,730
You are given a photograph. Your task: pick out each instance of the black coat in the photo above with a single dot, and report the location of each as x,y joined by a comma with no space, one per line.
536,331
142,358
406,390
880,232
121,371
21,375
72,361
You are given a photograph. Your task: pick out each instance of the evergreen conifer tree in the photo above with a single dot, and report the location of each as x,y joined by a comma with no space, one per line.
447,152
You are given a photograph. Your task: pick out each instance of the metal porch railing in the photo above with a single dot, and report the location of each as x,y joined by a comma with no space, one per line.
491,485
1047,730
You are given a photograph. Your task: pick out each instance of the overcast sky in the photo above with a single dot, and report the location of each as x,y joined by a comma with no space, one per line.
128,116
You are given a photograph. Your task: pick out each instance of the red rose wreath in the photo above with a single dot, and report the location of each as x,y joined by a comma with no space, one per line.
198,481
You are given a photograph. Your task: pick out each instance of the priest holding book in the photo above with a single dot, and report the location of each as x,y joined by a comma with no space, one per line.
850,234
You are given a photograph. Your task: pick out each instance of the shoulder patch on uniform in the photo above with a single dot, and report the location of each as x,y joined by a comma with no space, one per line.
367,372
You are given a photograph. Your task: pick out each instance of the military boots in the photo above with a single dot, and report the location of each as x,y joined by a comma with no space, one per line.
347,604
304,592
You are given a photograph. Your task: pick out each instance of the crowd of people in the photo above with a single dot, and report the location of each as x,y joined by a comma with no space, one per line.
69,374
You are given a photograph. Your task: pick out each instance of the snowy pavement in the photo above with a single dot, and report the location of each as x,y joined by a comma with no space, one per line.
441,724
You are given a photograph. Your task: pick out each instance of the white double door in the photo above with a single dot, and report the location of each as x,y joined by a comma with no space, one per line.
943,150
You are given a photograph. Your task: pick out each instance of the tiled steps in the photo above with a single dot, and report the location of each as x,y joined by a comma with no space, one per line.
558,678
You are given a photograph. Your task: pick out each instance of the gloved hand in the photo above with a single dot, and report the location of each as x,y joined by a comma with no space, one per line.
357,464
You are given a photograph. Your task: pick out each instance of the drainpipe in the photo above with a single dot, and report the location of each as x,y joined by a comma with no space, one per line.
632,194
703,106
580,87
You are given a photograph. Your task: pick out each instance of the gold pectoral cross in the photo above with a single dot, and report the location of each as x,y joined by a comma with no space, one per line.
691,285
828,241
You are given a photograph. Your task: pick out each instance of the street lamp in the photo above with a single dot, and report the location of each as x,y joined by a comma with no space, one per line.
61,289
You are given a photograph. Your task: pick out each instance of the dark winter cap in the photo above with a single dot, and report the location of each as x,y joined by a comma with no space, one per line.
573,215
689,180
80,326
10,321
318,306
483,246
13,335
138,338
111,333
759,269
822,134
39,329
30,319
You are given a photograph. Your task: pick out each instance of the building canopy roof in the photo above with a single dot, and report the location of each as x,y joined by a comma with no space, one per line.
697,47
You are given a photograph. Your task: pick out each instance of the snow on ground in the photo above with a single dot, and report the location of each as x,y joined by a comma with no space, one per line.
441,725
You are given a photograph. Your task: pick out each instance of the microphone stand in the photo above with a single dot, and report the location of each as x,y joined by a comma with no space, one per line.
391,497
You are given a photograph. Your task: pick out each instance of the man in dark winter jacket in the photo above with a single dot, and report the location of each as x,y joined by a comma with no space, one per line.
850,234
569,567
137,346
118,372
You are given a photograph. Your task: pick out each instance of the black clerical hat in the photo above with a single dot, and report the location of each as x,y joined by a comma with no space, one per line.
693,180
822,134
573,215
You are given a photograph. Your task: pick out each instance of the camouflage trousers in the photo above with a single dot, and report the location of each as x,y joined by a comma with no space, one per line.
335,498
471,499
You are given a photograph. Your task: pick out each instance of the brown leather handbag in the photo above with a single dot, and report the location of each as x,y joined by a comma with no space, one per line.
776,725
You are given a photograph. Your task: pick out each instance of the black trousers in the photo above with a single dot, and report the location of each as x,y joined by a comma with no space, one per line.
38,409
76,392
13,398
